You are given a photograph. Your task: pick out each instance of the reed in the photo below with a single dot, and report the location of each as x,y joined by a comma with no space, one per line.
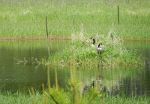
118,14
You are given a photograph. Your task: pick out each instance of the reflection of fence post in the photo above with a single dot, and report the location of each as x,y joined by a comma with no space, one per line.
118,14
112,46
48,78
48,70
56,79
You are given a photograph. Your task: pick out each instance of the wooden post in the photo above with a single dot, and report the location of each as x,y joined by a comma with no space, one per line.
118,14
46,27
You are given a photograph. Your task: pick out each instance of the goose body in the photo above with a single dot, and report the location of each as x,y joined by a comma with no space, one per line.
100,48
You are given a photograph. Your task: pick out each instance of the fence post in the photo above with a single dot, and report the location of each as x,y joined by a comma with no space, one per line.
118,14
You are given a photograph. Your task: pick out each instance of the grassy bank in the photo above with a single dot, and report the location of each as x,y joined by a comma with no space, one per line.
27,17
42,99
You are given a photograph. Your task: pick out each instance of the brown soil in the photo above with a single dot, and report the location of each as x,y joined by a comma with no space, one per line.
34,38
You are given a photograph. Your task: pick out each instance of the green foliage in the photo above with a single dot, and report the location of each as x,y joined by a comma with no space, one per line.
58,96
91,97
82,51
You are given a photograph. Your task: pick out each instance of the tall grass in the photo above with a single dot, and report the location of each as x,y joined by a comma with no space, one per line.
83,53
19,98
26,18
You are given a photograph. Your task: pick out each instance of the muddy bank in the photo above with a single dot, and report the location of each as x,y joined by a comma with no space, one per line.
55,37
30,38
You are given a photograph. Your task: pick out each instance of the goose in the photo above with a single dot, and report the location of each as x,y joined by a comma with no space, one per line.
100,48
93,41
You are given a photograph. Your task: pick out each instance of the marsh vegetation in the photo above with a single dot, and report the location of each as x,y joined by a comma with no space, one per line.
90,52
27,17
70,82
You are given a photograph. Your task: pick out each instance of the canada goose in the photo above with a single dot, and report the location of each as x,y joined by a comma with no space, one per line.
100,48
94,41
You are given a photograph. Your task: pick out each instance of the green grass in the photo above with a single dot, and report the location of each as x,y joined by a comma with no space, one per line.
27,17
19,98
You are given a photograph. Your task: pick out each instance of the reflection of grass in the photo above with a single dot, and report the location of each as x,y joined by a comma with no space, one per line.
112,78
66,16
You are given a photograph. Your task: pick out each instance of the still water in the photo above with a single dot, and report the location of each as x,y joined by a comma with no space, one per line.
139,85
21,69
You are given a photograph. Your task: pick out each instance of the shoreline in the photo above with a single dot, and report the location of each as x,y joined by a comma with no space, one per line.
55,37
33,38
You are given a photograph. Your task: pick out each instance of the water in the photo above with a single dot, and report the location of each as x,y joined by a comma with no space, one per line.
20,69
17,70
139,85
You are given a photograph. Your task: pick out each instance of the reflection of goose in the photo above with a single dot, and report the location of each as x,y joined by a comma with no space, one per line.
97,83
100,48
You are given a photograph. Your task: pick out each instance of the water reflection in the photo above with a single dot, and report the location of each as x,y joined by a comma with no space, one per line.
138,85
20,69
14,75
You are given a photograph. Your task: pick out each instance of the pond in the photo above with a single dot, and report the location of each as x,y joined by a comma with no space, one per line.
139,85
21,68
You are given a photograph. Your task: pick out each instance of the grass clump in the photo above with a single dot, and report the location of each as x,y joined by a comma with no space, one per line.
82,51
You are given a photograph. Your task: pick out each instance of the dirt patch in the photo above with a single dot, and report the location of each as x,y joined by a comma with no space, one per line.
143,40
33,38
